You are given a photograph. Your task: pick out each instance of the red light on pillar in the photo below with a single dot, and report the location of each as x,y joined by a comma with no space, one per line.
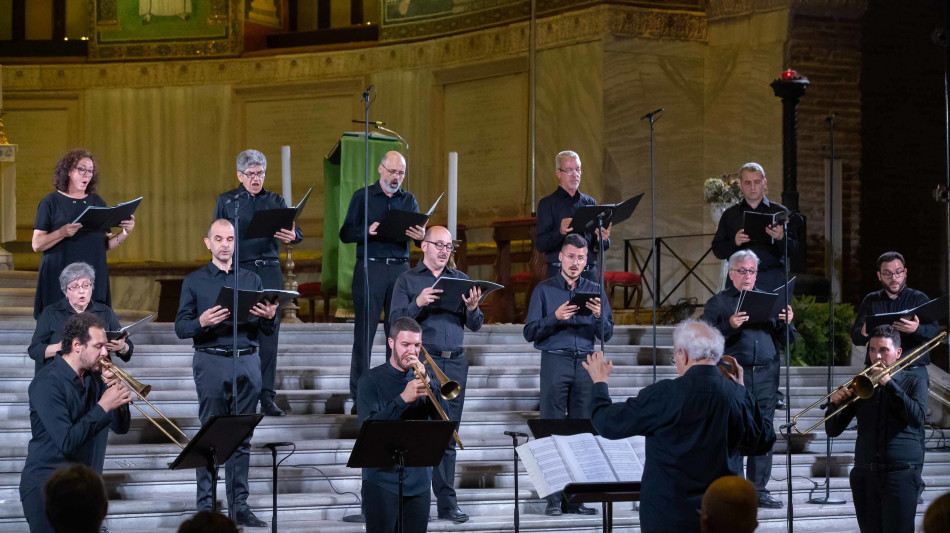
789,74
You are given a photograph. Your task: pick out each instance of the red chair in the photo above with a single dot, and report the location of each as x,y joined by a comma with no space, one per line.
625,279
311,291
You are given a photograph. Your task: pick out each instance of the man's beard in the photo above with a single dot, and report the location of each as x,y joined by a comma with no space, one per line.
887,288
389,188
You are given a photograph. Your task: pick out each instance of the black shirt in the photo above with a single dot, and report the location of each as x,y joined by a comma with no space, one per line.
551,210
770,255
252,249
890,423
199,291
66,421
49,328
378,398
379,204
879,302
696,427
441,329
577,333
753,344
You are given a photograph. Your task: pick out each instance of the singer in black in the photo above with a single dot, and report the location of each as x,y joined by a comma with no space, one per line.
555,212
261,256
199,318
391,391
565,338
887,453
697,427
731,237
386,259
755,346
442,333
74,402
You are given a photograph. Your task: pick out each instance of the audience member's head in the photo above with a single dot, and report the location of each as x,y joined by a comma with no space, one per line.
208,522
730,504
937,517
76,500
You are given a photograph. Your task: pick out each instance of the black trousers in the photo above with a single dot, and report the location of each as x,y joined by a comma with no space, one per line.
443,476
591,273
213,379
272,278
34,509
885,502
382,277
381,509
763,382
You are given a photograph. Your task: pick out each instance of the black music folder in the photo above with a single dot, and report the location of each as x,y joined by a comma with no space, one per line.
754,224
580,299
105,218
266,222
757,304
933,311
128,330
394,225
779,305
585,218
247,299
453,289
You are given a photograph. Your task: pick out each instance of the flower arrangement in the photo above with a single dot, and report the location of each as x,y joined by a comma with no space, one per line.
722,190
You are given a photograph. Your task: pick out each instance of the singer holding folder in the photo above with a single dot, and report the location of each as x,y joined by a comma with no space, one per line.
199,318
755,347
442,335
262,255
731,236
386,259
75,179
555,212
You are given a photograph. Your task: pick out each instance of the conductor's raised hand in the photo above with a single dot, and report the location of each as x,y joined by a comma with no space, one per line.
70,229
594,305
738,319
114,397
215,315
905,325
416,233
473,298
286,236
264,309
372,228
565,227
427,296
598,367
741,237
565,311
731,369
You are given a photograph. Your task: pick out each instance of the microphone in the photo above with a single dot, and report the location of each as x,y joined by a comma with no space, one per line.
236,196
516,434
365,97
274,445
374,123
651,115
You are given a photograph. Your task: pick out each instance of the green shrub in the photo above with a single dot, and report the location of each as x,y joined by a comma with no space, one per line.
811,321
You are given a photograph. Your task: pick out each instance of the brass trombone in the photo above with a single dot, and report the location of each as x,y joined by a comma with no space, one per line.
862,385
448,389
142,390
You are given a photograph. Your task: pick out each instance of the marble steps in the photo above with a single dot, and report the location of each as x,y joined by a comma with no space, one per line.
17,297
18,279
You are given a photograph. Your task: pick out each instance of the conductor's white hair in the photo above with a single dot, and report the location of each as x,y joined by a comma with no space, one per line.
741,257
700,340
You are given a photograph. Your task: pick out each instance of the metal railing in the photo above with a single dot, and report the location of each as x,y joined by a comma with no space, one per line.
629,253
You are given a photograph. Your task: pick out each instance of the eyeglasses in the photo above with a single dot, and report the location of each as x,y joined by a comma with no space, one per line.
571,171
76,286
440,246
253,175
745,271
88,171
399,173
575,258
892,275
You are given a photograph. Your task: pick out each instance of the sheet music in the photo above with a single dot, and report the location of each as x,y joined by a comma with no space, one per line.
546,470
580,454
622,457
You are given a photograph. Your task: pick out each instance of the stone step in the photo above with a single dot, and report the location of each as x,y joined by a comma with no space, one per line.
18,279
17,297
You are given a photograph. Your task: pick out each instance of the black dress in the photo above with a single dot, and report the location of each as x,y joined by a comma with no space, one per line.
56,210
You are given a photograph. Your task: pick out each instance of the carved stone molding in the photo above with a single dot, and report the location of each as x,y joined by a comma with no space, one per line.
721,9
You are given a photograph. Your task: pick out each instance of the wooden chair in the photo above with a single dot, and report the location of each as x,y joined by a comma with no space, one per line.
613,279
311,291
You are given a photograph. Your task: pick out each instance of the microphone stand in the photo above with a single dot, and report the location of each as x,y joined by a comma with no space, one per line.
366,103
235,261
827,499
654,116
603,292
788,409
514,446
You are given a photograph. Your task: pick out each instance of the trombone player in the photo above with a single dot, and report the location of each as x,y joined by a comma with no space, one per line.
443,332
887,456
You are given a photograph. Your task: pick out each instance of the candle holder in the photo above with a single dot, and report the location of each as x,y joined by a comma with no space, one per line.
289,314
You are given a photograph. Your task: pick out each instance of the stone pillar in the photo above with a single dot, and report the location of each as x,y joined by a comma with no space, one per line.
7,202
790,87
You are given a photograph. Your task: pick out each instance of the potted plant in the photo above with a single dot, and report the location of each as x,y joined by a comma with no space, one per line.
721,193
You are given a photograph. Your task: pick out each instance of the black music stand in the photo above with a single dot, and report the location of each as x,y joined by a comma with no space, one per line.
401,443
545,427
606,494
214,444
